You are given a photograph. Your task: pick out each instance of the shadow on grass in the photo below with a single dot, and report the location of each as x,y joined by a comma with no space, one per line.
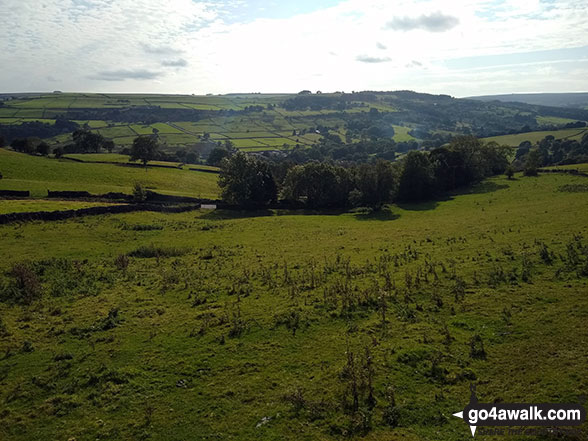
221,214
382,215
423,206
481,188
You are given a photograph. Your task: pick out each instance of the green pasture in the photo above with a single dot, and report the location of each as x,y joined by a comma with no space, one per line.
38,174
254,325
533,137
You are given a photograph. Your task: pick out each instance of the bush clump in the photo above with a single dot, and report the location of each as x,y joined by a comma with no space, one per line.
24,287
147,251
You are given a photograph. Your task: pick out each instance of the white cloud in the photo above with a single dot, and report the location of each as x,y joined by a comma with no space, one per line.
87,44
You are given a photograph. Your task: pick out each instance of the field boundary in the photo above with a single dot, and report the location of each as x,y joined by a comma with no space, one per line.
92,211
567,171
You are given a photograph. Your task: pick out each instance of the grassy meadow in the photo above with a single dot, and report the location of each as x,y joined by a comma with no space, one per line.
534,137
39,174
266,325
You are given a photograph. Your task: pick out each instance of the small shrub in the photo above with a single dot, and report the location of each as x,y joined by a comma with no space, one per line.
146,227
27,346
545,255
147,251
391,414
139,193
121,262
111,321
292,320
296,399
25,286
574,188
63,356
3,329
477,350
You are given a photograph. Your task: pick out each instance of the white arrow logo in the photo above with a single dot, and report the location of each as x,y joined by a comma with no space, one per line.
460,415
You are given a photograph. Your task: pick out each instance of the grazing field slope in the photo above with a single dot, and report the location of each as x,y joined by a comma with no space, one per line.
39,174
294,325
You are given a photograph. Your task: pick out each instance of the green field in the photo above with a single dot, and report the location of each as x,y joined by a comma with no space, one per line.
257,323
533,137
401,134
118,158
545,120
579,167
37,174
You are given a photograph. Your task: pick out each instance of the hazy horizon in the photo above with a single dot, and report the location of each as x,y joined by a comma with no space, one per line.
470,48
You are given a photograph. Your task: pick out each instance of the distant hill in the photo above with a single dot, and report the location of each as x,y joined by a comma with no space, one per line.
578,100
264,122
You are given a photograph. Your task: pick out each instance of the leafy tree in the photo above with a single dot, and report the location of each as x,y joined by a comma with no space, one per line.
216,155
2,141
144,149
532,163
86,141
192,157
23,145
58,152
416,179
377,183
509,172
181,154
247,181
319,184
109,146
43,149
139,192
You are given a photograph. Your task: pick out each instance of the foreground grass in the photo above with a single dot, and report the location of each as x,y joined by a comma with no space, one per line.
38,174
241,324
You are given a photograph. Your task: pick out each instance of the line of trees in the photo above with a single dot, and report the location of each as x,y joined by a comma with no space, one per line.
551,151
250,181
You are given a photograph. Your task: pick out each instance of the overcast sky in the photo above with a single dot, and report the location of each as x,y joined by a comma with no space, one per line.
460,48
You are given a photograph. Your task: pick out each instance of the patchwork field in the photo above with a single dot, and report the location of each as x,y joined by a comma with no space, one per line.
267,130
292,325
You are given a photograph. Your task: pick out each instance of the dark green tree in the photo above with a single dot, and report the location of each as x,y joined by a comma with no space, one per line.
246,181
318,184
417,181
145,148
532,163
216,155
58,152
87,141
192,157
43,148
377,183
109,146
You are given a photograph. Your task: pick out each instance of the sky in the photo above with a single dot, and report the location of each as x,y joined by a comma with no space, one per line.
459,48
